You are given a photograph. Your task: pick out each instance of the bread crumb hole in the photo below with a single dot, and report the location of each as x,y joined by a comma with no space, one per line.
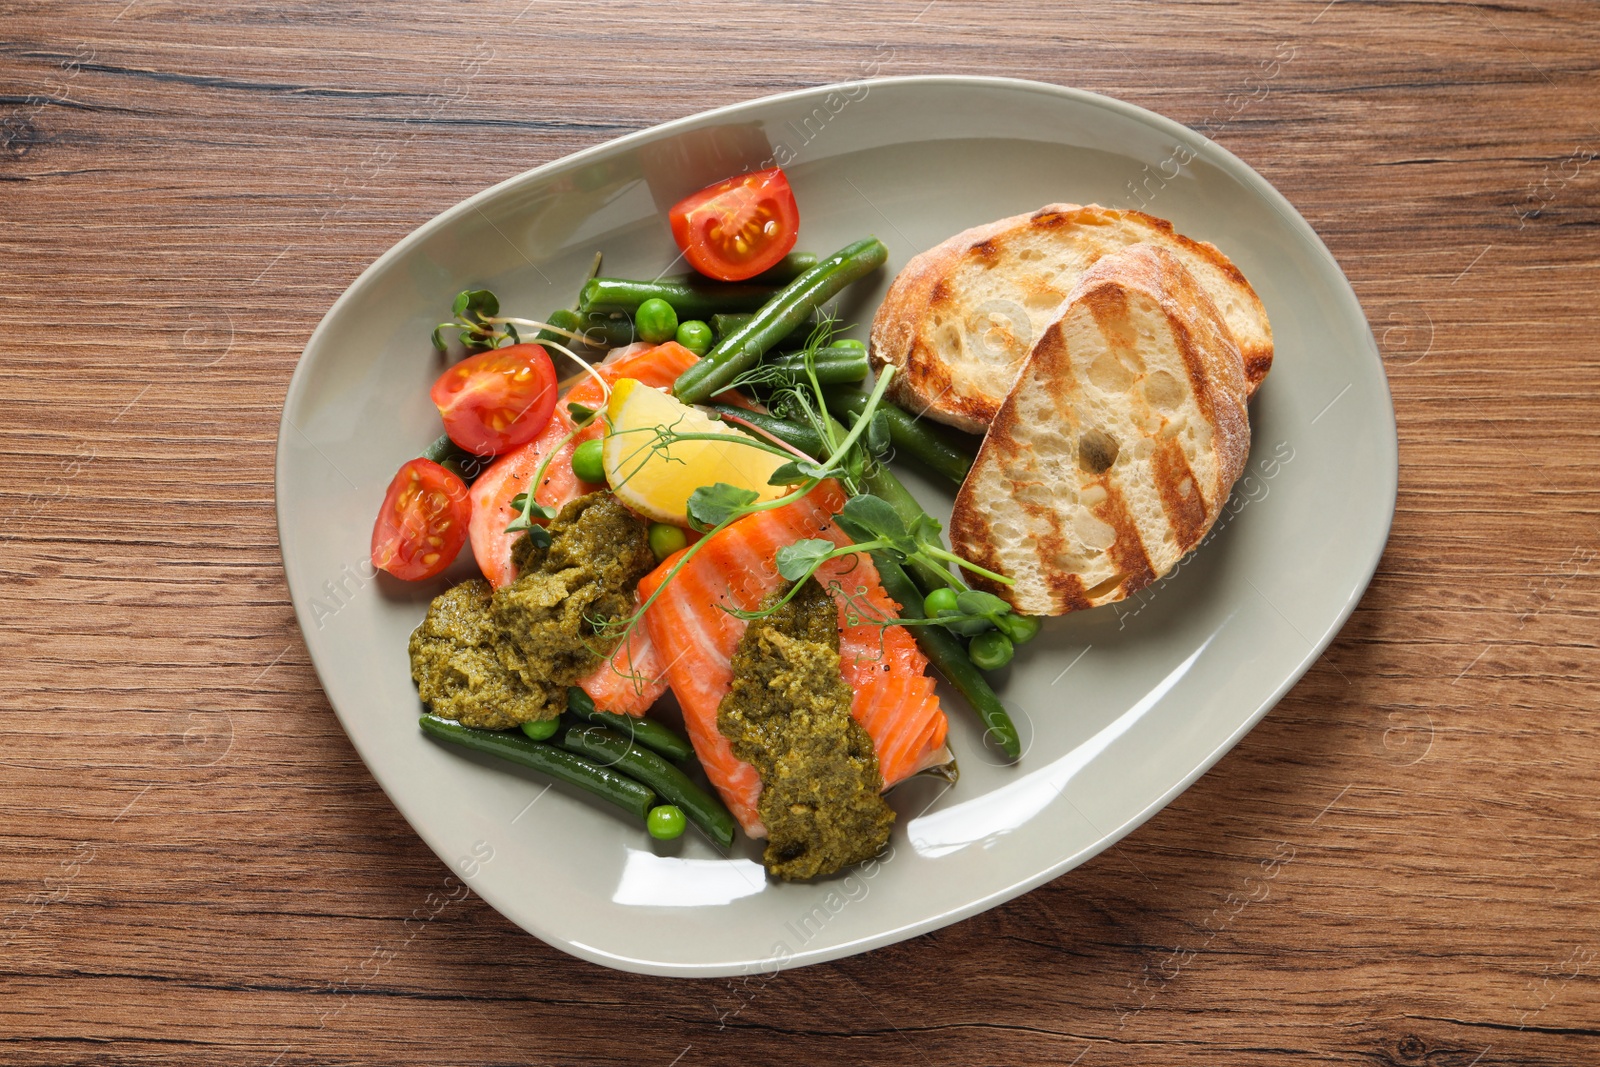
1100,589
1110,373
1163,391
1093,534
1097,451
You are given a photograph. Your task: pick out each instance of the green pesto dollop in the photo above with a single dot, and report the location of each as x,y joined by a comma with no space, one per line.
553,616
456,663
787,714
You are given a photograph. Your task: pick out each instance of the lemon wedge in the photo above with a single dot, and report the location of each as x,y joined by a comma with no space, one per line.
655,478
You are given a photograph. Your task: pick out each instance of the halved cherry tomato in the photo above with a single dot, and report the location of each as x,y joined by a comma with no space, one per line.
423,522
737,228
509,475
497,400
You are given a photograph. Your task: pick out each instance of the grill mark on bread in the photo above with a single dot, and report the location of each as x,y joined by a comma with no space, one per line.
1067,593
1109,306
1081,544
1197,366
1127,552
959,274
1186,512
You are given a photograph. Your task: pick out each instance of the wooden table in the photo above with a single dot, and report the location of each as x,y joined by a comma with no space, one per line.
198,869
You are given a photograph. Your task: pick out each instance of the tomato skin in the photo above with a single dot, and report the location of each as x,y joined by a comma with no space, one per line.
755,210
422,523
497,400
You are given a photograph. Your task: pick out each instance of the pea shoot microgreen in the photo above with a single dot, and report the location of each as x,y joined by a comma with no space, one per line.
472,314
874,525
480,326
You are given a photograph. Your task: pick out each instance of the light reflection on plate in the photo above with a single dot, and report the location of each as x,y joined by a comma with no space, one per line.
1005,809
655,881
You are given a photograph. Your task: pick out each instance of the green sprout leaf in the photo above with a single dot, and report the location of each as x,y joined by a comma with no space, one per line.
877,439
965,625
476,303
579,412
533,508
878,518
925,529
976,602
539,536
712,505
798,560
796,471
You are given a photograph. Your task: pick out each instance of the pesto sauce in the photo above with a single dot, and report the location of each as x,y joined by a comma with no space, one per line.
587,576
787,714
497,658
455,661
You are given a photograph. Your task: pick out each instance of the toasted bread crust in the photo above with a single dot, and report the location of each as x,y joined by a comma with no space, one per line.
935,305
1078,526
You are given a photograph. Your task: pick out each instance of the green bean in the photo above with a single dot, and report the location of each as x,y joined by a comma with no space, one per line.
942,451
832,366
946,654
741,349
786,269
703,809
603,782
729,321
566,320
603,329
691,296
794,434
644,730
455,459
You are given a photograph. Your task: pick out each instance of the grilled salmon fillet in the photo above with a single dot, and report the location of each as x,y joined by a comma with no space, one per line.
1118,446
960,319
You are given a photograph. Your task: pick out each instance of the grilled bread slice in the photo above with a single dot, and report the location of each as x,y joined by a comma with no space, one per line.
961,317
1118,446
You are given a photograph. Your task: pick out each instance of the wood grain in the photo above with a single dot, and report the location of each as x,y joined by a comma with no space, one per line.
1397,867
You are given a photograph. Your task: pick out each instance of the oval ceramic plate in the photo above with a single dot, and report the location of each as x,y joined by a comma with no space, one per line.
1121,707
